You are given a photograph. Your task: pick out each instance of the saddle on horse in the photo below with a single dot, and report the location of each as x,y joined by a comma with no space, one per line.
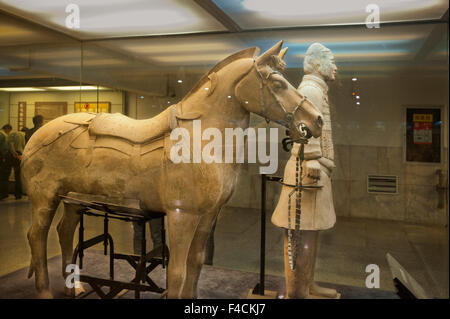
123,134
118,132
131,130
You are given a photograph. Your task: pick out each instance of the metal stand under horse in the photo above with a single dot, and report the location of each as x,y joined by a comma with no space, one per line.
259,290
143,264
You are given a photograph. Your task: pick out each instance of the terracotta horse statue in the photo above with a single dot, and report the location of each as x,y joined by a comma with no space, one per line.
113,155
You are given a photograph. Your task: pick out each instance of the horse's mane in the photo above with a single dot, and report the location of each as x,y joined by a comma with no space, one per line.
247,53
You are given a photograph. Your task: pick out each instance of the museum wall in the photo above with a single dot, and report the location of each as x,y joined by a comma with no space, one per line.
146,106
4,108
114,97
141,106
369,140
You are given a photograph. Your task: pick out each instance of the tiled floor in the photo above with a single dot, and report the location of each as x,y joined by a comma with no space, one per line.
344,251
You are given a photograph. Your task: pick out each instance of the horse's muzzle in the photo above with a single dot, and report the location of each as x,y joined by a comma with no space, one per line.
304,131
299,133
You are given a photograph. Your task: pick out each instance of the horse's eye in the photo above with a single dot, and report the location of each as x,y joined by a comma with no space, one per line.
278,85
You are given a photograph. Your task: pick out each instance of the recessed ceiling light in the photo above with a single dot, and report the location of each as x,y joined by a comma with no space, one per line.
76,88
22,89
199,58
256,13
354,79
180,81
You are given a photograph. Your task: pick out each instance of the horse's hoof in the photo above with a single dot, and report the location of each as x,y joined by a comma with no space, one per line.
78,291
45,294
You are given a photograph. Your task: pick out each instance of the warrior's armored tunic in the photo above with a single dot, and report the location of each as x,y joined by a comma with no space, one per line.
317,209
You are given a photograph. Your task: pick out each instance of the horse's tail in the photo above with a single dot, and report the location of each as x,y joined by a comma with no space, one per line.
31,269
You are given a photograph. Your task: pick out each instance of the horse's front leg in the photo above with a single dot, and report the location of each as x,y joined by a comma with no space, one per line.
188,234
197,252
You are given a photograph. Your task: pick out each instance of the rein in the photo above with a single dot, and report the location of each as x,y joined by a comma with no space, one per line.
292,241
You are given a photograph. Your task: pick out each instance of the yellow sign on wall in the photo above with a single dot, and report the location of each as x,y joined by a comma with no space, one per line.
92,107
423,128
422,117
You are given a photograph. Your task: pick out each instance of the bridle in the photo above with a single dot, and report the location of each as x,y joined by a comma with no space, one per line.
288,116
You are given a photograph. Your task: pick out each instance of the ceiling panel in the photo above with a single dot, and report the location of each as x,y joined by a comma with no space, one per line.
257,14
178,51
16,31
145,64
7,73
118,18
349,44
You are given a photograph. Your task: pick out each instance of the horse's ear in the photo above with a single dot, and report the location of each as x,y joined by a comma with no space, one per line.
213,79
255,52
265,57
282,53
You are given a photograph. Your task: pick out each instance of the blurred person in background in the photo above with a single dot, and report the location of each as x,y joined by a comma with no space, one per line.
16,143
38,121
5,165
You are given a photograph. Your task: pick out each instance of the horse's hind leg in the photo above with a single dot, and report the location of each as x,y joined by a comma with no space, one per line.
66,229
43,210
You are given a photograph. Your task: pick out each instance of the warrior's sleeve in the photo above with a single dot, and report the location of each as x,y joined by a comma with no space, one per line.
314,95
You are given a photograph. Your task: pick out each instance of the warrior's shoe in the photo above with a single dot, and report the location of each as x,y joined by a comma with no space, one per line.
317,291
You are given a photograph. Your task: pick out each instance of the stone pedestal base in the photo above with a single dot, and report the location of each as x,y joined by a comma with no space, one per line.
322,297
268,294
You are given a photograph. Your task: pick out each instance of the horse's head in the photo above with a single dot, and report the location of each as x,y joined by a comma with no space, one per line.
265,91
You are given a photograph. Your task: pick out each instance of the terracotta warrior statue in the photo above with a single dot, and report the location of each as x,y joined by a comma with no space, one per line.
315,204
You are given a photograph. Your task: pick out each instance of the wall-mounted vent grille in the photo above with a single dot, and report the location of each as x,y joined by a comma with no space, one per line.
382,184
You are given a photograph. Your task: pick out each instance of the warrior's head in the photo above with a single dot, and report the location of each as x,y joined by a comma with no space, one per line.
319,60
